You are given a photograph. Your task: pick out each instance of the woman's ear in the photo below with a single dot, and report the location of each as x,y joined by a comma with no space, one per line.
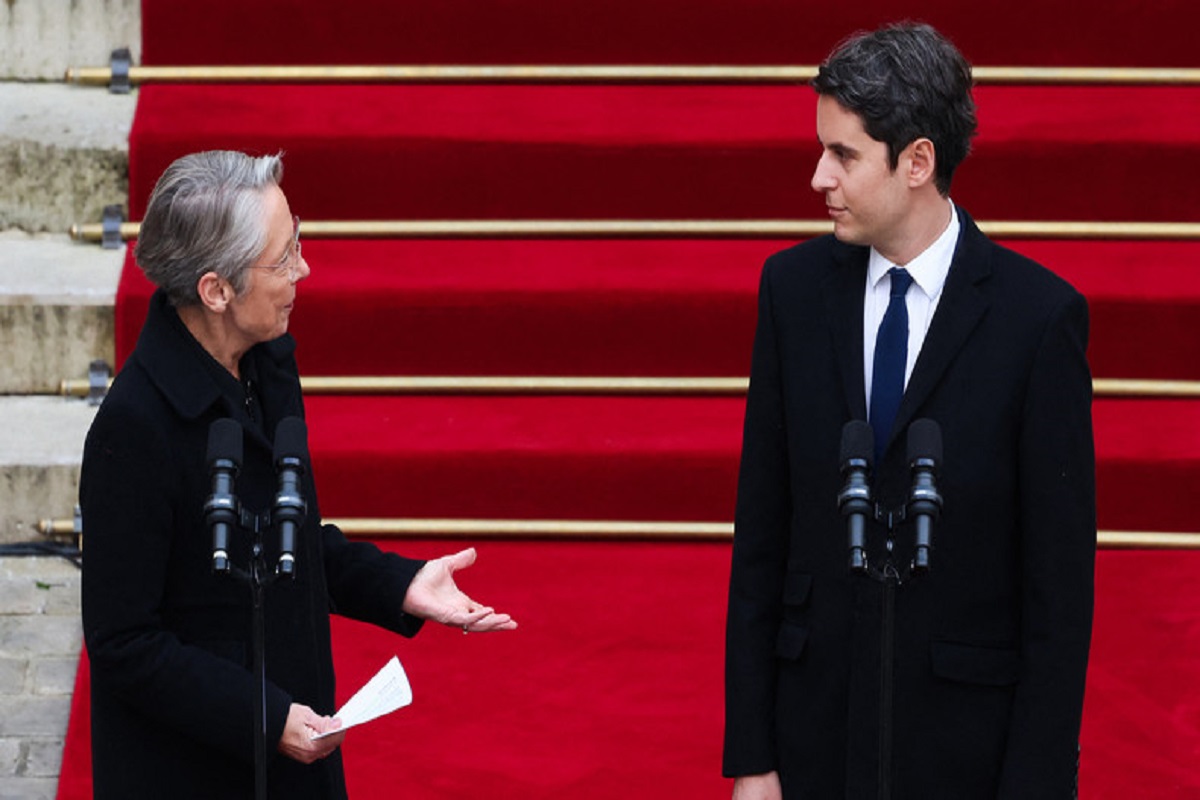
215,292
922,163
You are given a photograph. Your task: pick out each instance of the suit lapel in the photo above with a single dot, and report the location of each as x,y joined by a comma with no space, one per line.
844,291
964,303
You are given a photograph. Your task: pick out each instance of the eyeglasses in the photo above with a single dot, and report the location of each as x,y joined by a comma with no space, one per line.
289,265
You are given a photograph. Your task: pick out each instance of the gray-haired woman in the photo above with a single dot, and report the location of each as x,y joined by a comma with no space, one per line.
169,641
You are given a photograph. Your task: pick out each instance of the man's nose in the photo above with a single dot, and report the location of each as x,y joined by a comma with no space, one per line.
822,179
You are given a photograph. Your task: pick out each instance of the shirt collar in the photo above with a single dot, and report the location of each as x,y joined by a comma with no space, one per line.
929,269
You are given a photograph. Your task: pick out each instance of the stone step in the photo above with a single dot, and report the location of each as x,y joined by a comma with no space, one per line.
64,154
56,309
41,38
63,157
41,442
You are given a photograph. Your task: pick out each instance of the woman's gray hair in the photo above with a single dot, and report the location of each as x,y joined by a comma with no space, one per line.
206,215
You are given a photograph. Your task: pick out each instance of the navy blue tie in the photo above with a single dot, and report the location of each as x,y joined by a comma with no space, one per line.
891,357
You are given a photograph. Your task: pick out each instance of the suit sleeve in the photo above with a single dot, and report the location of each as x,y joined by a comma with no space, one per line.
759,560
368,584
1058,545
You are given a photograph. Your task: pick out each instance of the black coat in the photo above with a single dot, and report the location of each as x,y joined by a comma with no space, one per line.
170,642
991,646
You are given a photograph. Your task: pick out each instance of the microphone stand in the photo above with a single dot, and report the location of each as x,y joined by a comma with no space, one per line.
258,581
258,577
924,507
288,514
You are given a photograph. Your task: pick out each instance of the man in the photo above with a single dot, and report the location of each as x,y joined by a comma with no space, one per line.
965,681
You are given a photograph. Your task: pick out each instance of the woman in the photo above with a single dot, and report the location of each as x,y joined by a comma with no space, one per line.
169,641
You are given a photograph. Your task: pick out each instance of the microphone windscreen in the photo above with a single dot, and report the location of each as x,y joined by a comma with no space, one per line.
225,441
291,438
925,441
858,442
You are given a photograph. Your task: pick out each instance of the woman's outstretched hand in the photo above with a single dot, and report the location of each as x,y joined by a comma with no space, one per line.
434,595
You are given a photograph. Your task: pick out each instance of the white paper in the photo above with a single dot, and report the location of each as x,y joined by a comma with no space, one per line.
388,691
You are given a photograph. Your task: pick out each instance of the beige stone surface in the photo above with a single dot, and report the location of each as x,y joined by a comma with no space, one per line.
40,39
64,154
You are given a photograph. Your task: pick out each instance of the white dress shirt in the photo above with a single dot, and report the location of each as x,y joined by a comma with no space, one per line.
928,270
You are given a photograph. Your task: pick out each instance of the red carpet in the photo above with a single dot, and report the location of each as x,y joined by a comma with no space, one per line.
591,307
1048,32
400,152
652,458
612,686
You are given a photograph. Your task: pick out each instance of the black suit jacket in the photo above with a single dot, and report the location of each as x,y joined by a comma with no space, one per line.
169,642
991,646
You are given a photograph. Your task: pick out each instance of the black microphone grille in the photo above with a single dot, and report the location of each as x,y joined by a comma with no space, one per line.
225,441
858,442
925,441
291,438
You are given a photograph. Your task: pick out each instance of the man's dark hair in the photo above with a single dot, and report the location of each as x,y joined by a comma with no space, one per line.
905,82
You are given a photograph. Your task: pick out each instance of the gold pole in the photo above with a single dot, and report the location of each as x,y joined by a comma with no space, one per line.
549,384
714,531
1114,387
534,528
94,231
439,528
591,73
554,384
668,228
1148,540
56,527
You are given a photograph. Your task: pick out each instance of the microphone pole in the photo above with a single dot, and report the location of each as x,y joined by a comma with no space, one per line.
854,500
291,443
924,503
221,512
221,508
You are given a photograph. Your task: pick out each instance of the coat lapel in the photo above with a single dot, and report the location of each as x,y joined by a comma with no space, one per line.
964,303
844,291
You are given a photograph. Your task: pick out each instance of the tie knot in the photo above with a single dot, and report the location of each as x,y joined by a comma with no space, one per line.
901,280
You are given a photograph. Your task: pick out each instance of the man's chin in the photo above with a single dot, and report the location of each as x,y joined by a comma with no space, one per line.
846,234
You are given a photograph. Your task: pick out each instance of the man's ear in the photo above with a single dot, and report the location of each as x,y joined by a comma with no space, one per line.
921,162
215,292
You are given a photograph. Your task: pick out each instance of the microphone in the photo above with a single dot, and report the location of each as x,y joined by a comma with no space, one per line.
854,500
291,443
924,502
221,508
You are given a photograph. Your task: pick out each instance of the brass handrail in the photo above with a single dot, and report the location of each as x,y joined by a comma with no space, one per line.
594,73
675,228
544,529
616,385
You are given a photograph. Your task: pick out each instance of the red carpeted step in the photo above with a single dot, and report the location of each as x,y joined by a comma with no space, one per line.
526,457
399,152
1050,32
647,307
618,661
647,458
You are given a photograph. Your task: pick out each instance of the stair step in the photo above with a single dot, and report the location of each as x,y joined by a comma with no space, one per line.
647,307
40,447
639,458
63,154
636,32
657,152
56,310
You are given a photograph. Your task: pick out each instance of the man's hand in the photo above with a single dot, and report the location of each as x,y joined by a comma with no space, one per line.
758,787
434,595
302,724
